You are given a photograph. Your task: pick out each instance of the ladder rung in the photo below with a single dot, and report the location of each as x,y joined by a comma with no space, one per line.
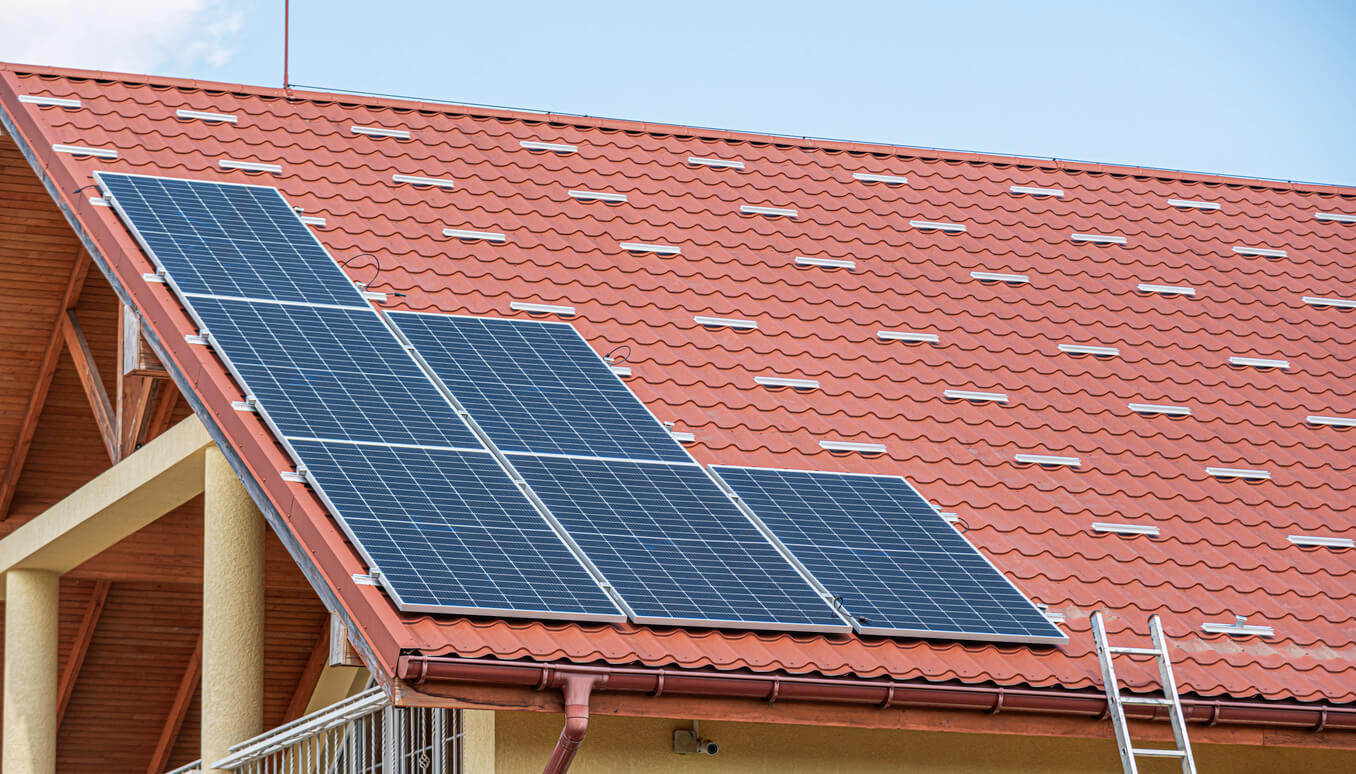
1151,752
1146,701
1135,651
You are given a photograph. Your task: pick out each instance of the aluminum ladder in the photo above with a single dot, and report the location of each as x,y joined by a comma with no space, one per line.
1116,703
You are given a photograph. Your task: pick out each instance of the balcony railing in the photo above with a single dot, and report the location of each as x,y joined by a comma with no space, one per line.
363,734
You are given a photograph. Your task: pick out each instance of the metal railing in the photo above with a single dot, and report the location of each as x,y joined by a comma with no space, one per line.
363,734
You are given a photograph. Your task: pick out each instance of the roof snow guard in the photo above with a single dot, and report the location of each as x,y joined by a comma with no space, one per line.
884,341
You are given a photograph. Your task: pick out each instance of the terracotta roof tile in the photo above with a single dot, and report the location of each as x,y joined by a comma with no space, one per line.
1222,548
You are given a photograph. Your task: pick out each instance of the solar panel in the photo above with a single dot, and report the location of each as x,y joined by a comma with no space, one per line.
897,566
674,546
449,532
537,387
228,239
330,373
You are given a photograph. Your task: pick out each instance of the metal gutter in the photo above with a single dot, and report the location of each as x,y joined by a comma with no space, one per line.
419,670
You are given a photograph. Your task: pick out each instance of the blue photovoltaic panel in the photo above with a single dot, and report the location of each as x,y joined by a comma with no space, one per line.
874,541
675,547
227,239
537,387
332,373
450,532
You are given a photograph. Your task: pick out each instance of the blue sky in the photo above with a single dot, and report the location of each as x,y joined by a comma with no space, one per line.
1249,88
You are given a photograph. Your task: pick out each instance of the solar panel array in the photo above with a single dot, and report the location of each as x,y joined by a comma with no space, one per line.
674,546
380,443
561,496
452,533
331,373
882,550
228,239
538,387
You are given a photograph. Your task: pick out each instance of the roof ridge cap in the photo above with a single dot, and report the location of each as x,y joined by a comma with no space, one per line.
297,93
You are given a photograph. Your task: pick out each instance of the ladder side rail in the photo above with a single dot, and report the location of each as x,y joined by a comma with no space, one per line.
1113,696
1179,729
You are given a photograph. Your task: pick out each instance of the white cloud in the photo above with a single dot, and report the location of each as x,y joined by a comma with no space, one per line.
140,36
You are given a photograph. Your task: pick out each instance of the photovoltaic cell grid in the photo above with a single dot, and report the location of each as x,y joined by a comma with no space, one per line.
876,542
226,239
674,546
450,532
538,387
331,373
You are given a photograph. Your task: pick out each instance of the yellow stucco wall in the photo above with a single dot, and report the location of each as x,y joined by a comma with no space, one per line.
523,740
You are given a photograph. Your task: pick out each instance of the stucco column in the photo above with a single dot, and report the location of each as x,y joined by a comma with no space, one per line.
477,741
232,612
30,698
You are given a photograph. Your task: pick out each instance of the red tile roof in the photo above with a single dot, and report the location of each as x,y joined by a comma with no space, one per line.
1223,547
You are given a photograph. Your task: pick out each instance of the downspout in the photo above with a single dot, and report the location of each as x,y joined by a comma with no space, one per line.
575,688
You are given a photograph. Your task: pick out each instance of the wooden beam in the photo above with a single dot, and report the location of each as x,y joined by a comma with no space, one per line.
159,477
83,637
162,410
310,675
38,398
93,384
138,359
188,685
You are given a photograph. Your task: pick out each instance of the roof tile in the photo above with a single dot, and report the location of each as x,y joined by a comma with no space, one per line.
1223,546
